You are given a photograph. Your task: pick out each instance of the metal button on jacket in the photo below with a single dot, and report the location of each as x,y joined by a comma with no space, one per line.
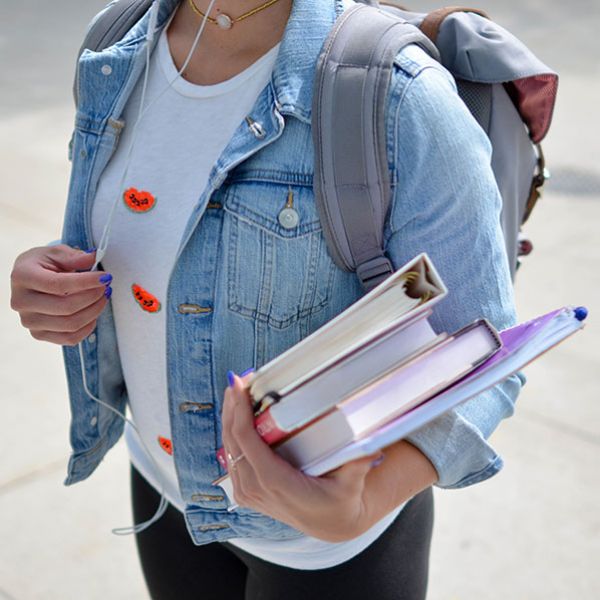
288,218
193,309
256,128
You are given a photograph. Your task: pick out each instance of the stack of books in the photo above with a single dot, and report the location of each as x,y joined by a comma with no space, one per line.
378,371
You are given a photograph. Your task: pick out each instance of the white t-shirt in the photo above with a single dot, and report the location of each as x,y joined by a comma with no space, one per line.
183,132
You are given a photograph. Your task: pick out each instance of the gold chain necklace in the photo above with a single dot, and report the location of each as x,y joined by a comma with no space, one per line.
225,21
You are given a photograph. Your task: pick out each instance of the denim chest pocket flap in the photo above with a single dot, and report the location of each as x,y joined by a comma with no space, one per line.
278,268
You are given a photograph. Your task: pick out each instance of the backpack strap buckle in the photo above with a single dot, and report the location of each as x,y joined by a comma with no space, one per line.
372,272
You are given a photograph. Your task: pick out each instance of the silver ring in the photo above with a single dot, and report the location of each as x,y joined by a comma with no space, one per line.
231,461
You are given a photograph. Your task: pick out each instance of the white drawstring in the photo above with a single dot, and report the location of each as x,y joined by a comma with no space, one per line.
104,239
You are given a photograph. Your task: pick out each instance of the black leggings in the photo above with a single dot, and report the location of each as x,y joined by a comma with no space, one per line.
394,567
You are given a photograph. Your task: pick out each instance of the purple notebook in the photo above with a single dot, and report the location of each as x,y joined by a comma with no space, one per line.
521,345
516,337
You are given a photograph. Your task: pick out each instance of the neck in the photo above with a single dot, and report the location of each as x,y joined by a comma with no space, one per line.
221,53
255,34
233,8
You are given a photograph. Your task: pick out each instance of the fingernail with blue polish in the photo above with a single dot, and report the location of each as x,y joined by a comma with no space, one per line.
108,292
106,278
378,460
91,251
250,370
230,378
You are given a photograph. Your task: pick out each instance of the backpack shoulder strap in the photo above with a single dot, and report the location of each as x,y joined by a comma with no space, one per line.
110,25
351,182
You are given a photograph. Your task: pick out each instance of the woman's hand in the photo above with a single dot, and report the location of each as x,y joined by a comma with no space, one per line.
56,302
331,507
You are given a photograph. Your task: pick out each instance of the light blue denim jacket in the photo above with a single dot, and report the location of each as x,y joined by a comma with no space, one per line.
267,286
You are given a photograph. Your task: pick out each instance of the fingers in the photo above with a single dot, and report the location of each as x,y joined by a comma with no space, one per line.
238,428
54,301
246,377
53,271
228,402
63,258
32,302
69,323
65,339
264,481
231,447
261,475
229,442
34,277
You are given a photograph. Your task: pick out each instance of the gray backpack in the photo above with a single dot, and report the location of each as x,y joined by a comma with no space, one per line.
508,90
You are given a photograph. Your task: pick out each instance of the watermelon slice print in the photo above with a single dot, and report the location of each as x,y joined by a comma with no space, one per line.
139,201
166,445
145,299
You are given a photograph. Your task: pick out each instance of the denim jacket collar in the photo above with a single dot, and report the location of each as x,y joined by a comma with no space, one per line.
293,75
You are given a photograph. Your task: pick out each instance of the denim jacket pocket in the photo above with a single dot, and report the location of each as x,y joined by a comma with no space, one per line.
278,269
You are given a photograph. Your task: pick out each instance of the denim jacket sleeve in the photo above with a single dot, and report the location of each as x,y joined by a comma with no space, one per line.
446,202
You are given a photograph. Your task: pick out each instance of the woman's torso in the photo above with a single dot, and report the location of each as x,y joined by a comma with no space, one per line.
255,284
244,284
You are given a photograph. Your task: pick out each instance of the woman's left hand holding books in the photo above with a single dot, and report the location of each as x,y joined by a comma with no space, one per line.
335,507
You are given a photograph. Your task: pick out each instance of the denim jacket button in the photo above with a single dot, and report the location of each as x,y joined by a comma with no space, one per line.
193,309
289,218
185,407
91,338
256,128
213,526
207,498
106,70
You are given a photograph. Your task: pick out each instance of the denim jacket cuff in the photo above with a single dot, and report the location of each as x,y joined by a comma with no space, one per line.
457,450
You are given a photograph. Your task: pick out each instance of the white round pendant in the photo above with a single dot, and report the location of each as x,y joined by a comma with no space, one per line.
224,21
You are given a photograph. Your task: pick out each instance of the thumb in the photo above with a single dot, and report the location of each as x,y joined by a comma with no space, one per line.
67,259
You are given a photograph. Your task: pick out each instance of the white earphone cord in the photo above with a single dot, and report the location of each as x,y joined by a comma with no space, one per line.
104,239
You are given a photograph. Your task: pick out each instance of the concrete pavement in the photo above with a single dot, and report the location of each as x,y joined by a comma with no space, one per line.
531,533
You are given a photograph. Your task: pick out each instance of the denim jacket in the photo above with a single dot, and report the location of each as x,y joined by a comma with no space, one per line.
263,286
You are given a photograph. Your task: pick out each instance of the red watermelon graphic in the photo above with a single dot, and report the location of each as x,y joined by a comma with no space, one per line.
138,201
145,299
166,445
